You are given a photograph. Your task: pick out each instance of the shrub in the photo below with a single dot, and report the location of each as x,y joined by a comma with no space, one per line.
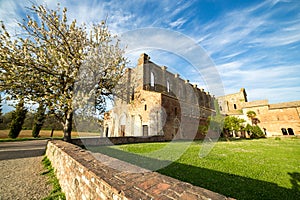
256,132
248,128
203,129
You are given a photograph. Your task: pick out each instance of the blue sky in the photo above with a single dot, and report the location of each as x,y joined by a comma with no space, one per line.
253,44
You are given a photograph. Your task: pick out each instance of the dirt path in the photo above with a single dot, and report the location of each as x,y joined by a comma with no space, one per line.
21,168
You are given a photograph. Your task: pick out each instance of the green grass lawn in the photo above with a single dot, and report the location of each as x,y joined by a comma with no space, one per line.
242,169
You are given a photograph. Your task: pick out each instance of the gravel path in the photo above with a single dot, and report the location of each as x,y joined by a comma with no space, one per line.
21,178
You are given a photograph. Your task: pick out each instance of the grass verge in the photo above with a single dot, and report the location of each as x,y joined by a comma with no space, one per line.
56,192
44,134
26,139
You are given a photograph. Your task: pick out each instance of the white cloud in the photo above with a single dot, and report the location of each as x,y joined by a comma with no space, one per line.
277,78
179,7
178,23
250,49
274,95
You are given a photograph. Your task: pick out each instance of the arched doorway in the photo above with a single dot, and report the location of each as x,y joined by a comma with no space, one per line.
176,126
145,130
290,131
137,125
106,130
284,132
122,125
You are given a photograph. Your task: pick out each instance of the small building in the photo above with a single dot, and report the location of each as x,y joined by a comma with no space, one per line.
152,101
276,119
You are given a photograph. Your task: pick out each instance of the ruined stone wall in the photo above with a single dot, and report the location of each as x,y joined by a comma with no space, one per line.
131,82
277,118
140,117
172,126
183,119
232,103
256,103
145,99
292,104
81,176
274,117
261,111
165,82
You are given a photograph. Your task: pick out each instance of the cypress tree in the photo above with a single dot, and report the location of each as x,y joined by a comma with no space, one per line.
18,117
1,120
38,120
0,106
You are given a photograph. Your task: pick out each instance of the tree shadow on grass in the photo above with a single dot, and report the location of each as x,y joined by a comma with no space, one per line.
295,180
230,185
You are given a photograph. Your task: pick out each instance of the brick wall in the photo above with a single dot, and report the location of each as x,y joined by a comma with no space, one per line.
115,140
274,117
81,176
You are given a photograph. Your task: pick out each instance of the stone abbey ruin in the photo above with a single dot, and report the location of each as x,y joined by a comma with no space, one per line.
155,102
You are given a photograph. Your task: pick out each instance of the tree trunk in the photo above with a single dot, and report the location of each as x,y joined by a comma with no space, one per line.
233,134
68,126
51,134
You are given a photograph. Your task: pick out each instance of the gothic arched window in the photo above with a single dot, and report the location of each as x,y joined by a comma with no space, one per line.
168,86
152,79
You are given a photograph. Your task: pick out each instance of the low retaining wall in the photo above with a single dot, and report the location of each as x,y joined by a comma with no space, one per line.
96,141
81,176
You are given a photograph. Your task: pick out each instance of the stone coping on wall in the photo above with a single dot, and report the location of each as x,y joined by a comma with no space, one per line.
292,104
81,176
97,141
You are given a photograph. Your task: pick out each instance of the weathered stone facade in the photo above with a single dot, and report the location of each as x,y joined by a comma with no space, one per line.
277,119
233,103
153,101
